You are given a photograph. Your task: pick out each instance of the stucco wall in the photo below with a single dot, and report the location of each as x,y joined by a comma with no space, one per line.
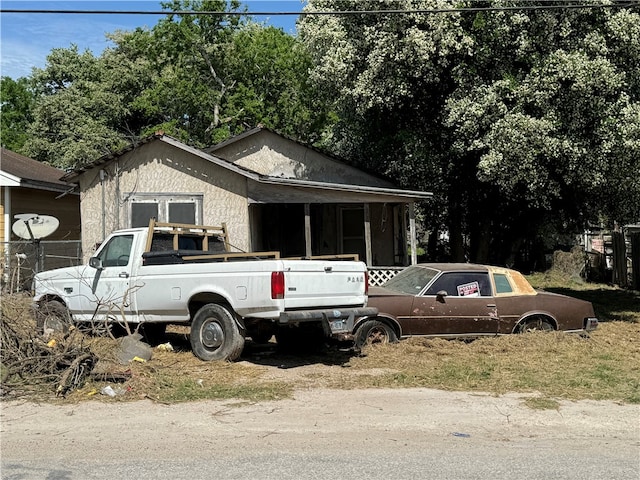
270,154
157,167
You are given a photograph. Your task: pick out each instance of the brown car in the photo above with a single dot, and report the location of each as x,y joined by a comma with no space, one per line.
461,299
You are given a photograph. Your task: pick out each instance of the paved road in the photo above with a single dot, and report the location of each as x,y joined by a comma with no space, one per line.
324,434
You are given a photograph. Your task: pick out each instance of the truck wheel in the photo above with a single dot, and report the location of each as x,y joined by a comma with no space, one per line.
373,332
53,316
215,334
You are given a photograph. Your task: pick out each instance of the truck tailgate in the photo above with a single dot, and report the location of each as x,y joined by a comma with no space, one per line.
324,284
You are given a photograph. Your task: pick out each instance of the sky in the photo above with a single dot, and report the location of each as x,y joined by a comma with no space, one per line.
27,38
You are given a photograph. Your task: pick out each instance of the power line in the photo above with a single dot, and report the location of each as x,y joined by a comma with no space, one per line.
629,4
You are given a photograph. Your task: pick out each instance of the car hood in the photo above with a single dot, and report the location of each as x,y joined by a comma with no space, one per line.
385,292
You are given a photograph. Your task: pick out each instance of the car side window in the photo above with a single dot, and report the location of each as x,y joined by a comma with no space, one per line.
502,283
117,251
462,284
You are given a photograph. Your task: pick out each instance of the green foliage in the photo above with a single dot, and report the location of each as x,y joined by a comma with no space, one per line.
198,78
16,99
516,120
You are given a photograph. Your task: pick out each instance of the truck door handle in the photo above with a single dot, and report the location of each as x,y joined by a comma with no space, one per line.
491,305
123,275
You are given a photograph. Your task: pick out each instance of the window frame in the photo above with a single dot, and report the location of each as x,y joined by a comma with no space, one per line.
163,200
432,289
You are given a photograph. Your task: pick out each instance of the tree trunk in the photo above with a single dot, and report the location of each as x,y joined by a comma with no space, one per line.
635,260
619,259
456,243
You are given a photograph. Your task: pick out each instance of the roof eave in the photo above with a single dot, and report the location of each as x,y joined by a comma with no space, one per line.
412,194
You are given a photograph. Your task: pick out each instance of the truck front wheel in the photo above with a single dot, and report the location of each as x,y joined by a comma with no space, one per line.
53,316
215,334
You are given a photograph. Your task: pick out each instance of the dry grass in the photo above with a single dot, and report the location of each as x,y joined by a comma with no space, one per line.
553,365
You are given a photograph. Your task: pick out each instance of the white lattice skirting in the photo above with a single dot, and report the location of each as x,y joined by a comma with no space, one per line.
379,275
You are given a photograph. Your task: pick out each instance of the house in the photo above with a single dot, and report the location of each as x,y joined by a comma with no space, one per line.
272,192
32,187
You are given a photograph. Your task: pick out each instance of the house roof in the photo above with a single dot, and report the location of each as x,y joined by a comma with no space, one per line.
256,130
250,174
18,170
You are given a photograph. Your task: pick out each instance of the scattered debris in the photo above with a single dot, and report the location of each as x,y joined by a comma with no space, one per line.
132,348
30,361
165,347
58,362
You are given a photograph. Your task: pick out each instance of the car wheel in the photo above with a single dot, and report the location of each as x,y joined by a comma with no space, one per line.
536,324
215,334
373,332
53,316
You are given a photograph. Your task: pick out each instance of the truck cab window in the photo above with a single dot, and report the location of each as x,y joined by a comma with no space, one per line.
117,252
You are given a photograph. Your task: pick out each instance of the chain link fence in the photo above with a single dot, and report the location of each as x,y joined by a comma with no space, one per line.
19,261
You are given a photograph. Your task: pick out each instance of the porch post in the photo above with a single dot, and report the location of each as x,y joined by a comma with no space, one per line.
307,230
412,233
367,235
7,232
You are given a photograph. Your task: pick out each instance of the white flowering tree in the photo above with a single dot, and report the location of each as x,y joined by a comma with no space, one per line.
525,123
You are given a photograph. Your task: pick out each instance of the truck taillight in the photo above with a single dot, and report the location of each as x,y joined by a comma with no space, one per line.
366,282
277,285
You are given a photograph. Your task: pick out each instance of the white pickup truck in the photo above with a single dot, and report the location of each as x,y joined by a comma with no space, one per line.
185,274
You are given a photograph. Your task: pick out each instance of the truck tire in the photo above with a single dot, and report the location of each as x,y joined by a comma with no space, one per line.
215,334
53,316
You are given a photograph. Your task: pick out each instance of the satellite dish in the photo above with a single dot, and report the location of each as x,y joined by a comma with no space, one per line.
34,227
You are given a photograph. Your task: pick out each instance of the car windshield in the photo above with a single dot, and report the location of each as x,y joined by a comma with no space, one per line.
411,280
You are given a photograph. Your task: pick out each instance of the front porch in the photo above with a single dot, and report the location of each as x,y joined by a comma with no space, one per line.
376,232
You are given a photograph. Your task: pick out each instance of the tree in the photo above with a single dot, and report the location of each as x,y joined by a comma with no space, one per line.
77,111
199,78
515,119
16,99
270,71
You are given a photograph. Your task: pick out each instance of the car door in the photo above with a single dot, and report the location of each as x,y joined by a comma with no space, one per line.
105,291
467,308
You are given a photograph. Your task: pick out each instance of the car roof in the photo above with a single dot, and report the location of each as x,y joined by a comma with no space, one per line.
521,284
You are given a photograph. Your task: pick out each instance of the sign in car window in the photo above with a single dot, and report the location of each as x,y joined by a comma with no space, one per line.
471,289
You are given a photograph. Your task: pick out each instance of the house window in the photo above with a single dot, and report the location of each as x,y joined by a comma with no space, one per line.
177,208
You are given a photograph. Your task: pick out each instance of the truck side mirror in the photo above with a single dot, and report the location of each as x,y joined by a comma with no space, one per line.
96,262
441,295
